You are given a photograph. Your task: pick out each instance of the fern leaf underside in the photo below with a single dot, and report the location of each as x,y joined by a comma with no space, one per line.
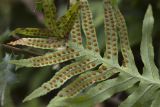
89,66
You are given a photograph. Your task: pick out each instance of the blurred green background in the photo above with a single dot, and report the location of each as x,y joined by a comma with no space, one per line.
16,83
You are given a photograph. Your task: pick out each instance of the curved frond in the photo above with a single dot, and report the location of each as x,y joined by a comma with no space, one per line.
147,52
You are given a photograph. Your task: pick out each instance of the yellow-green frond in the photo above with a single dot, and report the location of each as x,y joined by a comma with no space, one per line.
42,43
48,59
88,27
66,22
49,9
32,32
123,35
62,76
111,53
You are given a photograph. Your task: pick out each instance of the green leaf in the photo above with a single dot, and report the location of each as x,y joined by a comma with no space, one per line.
147,52
124,41
102,91
88,27
139,94
111,52
32,32
54,27
76,35
49,9
86,80
146,91
48,59
62,76
128,77
66,22
42,43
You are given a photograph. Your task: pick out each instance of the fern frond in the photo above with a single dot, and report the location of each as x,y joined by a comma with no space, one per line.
54,28
147,91
41,43
32,32
123,34
111,52
147,51
82,82
62,76
76,36
91,51
92,83
138,96
99,93
85,80
66,22
80,68
49,10
48,59
88,27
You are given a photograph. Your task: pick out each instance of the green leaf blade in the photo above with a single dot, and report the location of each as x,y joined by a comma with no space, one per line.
41,43
66,22
48,59
147,52
111,53
102,91
88,27
32,32
62,76
141,95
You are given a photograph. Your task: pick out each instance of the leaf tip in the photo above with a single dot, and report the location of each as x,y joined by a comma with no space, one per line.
36,93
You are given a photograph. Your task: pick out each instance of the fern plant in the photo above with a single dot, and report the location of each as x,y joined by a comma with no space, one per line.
55,27
93,71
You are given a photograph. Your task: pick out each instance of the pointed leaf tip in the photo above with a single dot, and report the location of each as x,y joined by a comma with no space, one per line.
149,10
36,93
148,19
